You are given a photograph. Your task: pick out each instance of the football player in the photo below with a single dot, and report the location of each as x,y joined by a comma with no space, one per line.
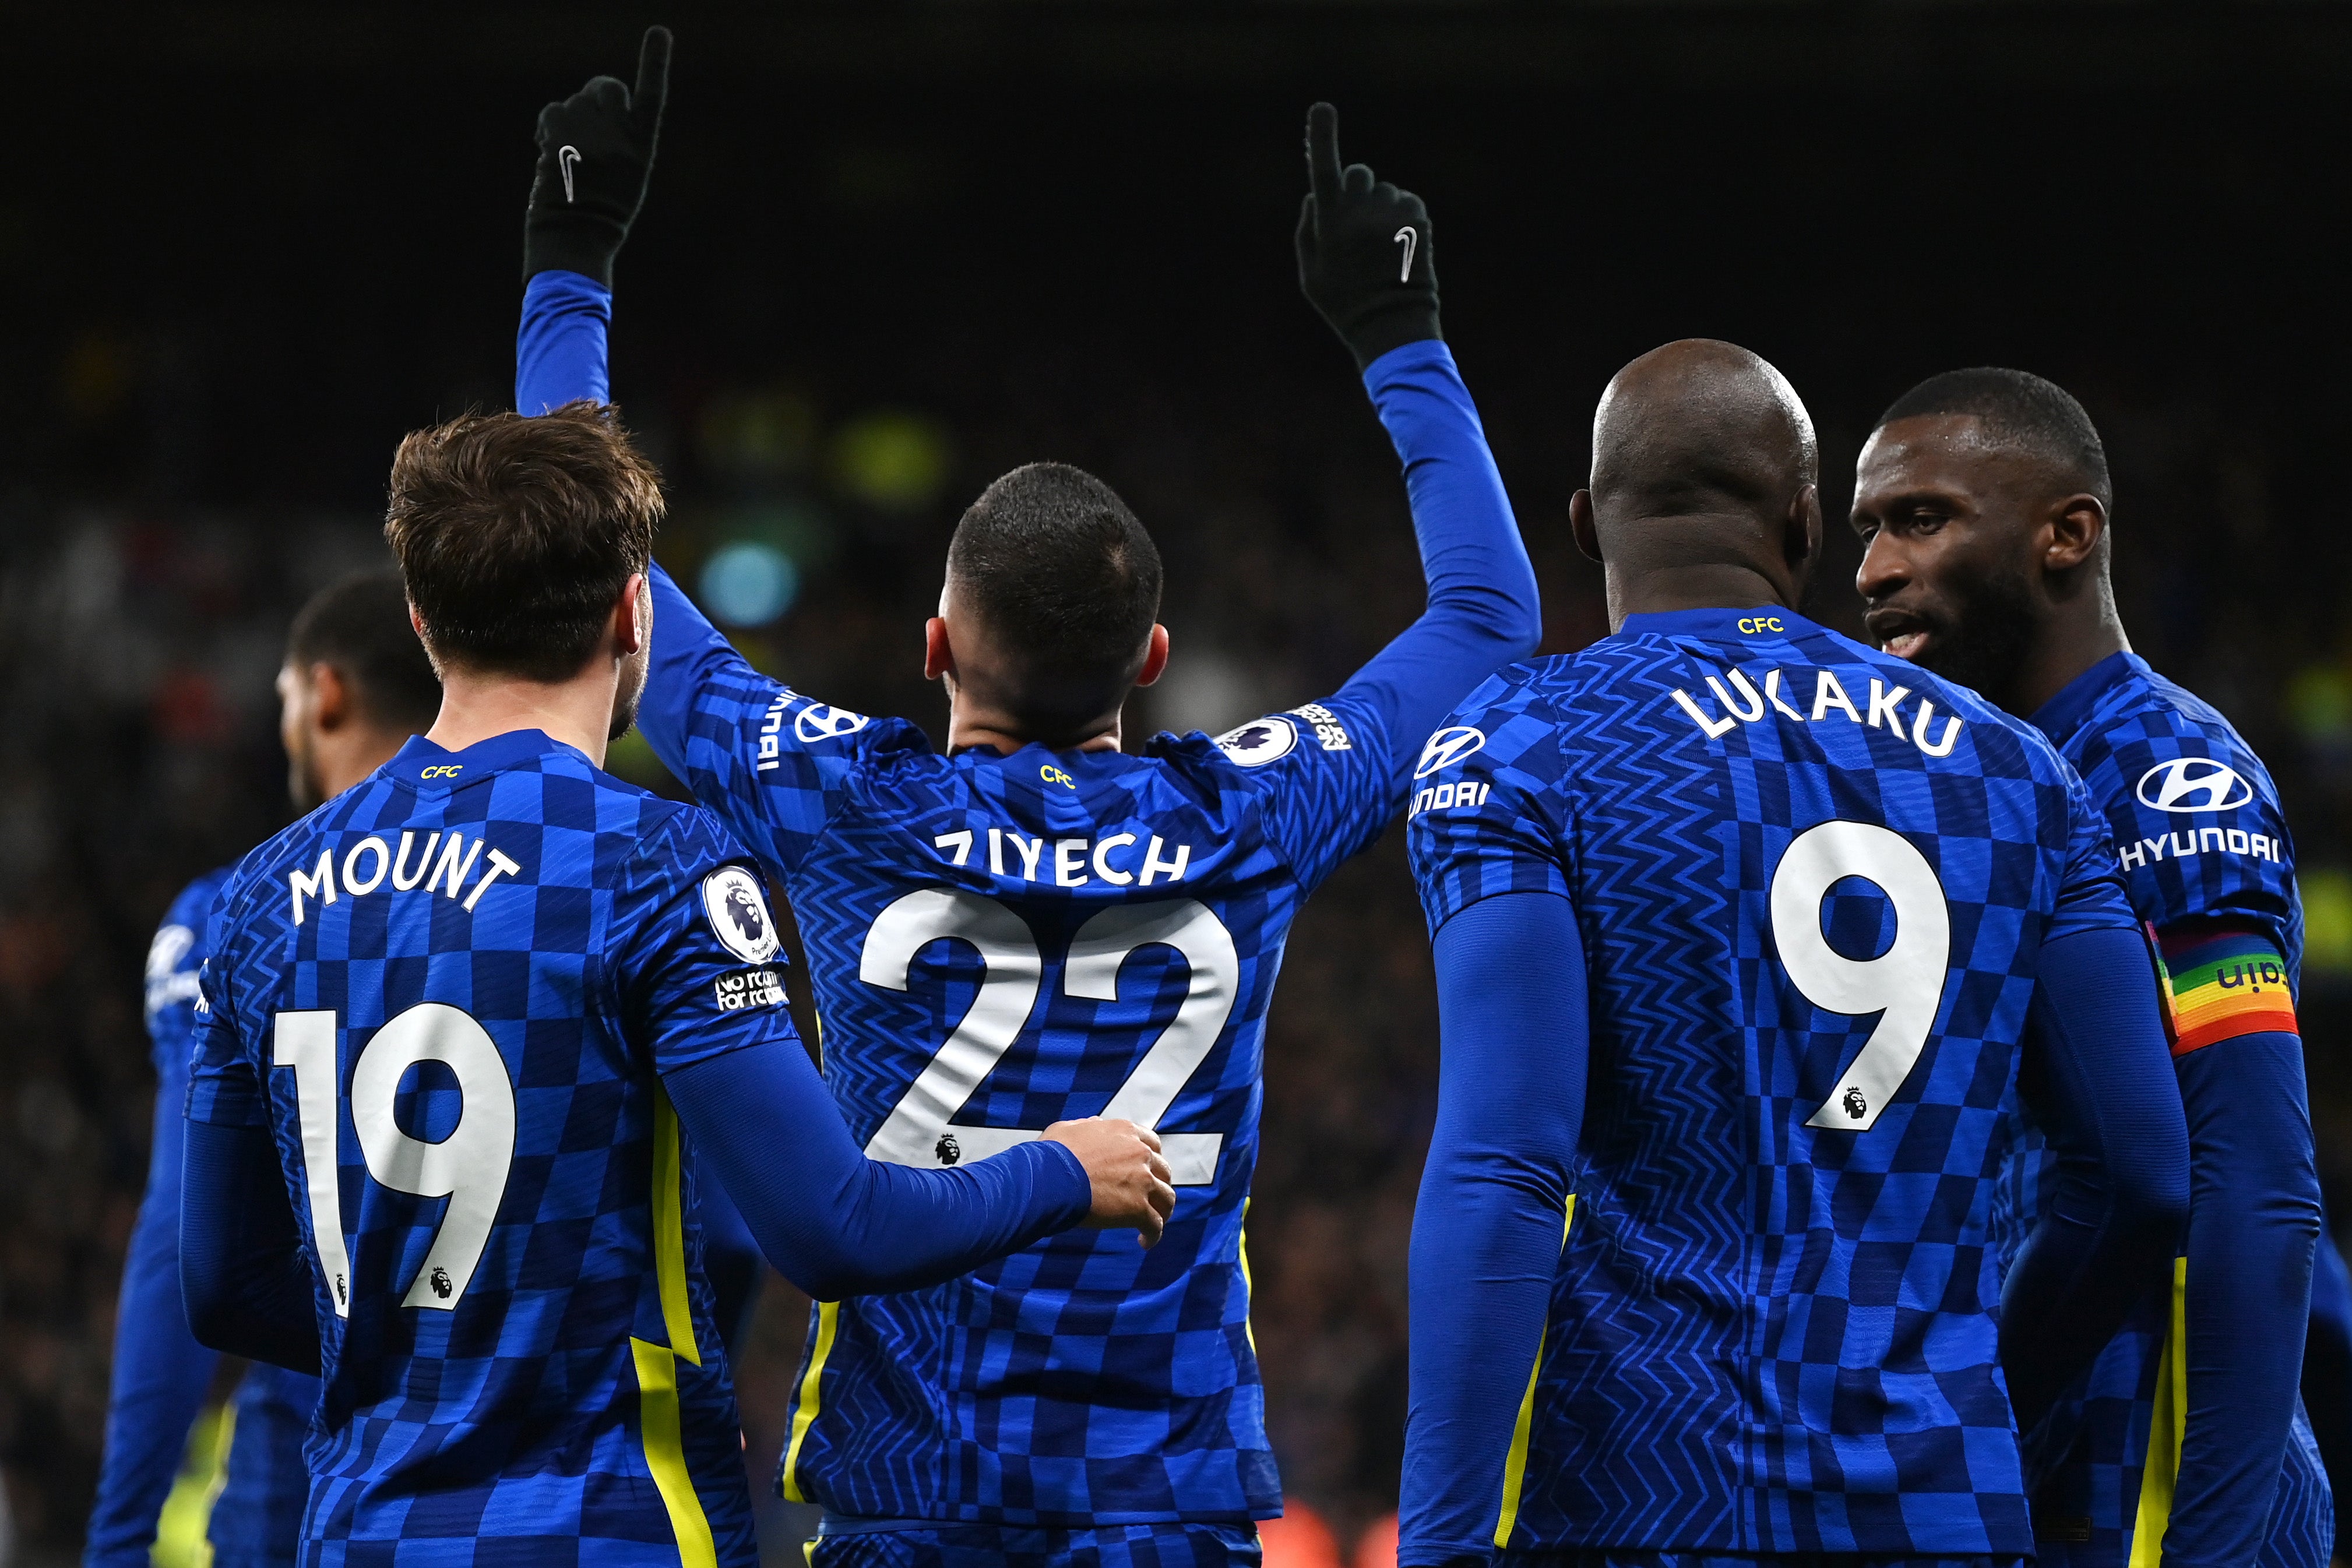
1036,921
1983,497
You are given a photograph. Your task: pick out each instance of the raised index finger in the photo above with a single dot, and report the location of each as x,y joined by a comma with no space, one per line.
653,75
1323,154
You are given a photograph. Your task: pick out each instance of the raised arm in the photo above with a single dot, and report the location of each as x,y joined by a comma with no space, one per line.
1367,262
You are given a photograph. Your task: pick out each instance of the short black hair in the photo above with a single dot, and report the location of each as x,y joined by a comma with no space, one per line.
360,626
2020,407
1068,584
515,536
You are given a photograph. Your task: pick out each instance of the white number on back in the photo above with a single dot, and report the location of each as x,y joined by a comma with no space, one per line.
468,1167
918,1132
1904,984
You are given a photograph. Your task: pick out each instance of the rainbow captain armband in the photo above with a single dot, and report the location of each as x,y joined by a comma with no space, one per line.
2218,985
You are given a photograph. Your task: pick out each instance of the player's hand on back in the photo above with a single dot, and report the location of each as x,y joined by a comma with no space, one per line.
1132,1184
595,158
1364,257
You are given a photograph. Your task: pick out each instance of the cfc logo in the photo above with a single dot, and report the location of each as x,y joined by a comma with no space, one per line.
2192,784
1750,625
1448,746
1053,775
446,770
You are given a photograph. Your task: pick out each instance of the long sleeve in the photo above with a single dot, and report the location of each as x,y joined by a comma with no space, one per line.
1484,611
244,1274
730,1257
1493,1214
560,351
161,1374
2253,1217
837,1224
2098,1082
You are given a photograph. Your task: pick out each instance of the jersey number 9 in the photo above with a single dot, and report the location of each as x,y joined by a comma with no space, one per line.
1904,984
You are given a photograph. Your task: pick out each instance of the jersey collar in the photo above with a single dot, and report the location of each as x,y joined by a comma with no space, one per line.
434,770
2064,714
1764,621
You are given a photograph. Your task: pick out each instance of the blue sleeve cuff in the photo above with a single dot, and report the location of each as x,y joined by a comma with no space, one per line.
1421,355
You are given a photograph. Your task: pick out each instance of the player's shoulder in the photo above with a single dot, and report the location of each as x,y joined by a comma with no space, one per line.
2178,749
239,901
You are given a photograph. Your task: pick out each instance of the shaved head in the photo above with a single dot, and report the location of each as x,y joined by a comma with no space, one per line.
1702,460
1699,427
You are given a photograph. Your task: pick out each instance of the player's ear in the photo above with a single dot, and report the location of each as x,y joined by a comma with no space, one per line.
1580,526
2071,531
1800,532
331,698
1155,657
939,657
633,617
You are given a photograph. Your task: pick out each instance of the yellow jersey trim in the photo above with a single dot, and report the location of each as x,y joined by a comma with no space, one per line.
670,1229
1515,1464
665,1453
1249,1286
804,1408
2168,1430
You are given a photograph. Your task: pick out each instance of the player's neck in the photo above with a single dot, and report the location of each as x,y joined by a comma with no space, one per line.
973,724
1714,585
2070,644
475,707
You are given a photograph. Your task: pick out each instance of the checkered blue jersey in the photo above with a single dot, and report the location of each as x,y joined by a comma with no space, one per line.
998,943
449,993
1811,883
2200,839
161,1375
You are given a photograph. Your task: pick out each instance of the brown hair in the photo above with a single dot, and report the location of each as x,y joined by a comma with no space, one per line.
515,536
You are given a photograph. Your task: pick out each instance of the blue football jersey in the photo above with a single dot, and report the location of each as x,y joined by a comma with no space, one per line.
2199,836
161,1375
1811,881
449,993
997,943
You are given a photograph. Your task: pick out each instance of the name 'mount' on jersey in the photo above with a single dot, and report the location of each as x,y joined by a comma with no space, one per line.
1811,881
449,992
997,943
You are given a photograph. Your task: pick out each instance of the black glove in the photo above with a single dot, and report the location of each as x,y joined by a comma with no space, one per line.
595,155
1363,250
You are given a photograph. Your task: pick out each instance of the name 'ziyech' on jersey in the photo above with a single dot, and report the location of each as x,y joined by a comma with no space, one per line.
1811,883
449,992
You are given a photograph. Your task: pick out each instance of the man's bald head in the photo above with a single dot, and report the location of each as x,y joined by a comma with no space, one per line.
1702,460
1700,427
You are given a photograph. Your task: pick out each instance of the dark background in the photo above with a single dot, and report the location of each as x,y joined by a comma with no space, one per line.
894,249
